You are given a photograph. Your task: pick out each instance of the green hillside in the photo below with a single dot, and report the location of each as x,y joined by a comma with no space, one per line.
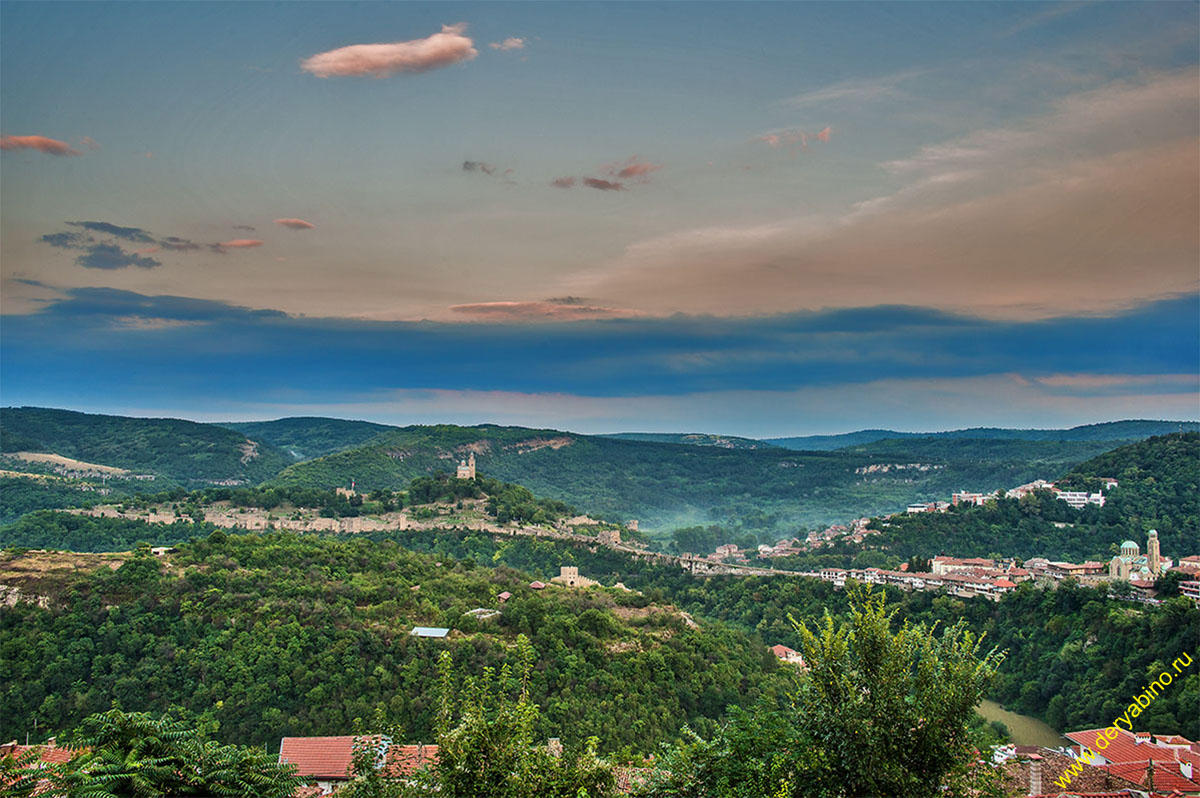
1108,431
1051,456
306,437
768,492
282,634
1159,488
181,451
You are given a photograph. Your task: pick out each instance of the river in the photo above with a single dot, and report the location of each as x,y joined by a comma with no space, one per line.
1024,729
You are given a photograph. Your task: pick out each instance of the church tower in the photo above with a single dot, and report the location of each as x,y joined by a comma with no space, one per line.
1153,557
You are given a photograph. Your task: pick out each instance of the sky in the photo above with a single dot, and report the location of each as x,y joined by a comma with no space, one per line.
759,219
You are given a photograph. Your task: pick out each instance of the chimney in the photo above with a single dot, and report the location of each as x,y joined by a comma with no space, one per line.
1185,768
1035,774
554,746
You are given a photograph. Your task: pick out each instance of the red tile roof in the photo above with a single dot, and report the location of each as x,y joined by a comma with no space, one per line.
1166,775
330,757
1124,748
1122,794
49,754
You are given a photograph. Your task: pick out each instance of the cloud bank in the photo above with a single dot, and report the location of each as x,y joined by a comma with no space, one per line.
43,144
898,366
568,309
443,49
1091,207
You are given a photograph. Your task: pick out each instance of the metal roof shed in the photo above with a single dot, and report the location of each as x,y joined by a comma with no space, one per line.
429,631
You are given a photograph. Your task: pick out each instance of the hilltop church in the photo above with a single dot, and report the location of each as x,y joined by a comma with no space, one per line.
466,468
1131,564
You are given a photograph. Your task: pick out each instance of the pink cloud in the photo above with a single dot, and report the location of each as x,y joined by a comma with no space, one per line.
602,185
563,182
89,142
240,243
382,60
549,310
39,143
511,43
825,134
296,224
631,167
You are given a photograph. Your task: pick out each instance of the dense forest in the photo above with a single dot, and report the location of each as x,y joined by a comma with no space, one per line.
1062,644
863,681
282,634
1159,488
305,437
178,451
20,495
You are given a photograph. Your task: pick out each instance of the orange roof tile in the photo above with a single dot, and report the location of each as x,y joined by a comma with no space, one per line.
1124,748
330,757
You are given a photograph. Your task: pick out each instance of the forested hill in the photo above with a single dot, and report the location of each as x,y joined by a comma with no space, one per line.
1159,488
1108,431
307,437
768,492
181,451
283,634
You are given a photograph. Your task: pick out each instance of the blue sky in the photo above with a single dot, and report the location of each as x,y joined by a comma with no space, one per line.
749,218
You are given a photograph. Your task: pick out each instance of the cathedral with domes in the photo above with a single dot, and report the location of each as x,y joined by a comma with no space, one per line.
1132,565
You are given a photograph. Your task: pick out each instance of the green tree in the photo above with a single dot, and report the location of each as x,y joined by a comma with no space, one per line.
485,734
144,755
890,710
873,713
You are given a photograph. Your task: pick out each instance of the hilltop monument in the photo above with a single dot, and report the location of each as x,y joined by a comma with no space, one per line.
466,468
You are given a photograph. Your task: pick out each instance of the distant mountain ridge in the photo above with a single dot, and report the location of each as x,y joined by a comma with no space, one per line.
185,452
1107,431
306,437
693,439
672,480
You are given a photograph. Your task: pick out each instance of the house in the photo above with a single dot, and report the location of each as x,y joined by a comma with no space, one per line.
429,631
505,596
1038,771
327,760
48,754
1134,755
1079,498
538,585
785,654
1191,589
